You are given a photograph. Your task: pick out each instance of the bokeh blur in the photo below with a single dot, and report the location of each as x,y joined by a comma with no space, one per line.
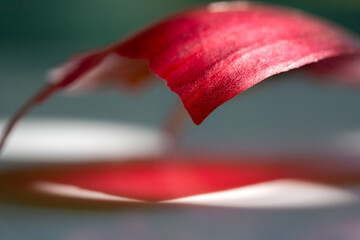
291,111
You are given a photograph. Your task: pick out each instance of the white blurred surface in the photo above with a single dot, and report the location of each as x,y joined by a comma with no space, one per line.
66,190
44,140
285,193
278,194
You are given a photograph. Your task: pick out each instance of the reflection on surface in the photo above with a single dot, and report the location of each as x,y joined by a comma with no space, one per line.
100,164
274,194
76,192
236,181
163,196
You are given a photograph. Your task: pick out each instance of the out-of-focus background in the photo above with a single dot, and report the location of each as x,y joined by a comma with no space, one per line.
285,112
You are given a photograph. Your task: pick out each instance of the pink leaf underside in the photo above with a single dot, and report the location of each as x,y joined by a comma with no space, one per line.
112,70
209,55
346,68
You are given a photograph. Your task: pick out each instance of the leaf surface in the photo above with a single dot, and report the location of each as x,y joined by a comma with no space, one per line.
210,54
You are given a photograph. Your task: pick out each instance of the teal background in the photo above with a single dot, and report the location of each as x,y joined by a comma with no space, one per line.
96,21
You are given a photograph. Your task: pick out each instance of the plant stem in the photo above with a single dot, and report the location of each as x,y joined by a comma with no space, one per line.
175,121
39,97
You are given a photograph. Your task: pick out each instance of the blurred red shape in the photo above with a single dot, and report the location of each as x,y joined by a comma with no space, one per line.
166,178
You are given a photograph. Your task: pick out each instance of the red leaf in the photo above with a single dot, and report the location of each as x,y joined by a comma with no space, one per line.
218,54
209,55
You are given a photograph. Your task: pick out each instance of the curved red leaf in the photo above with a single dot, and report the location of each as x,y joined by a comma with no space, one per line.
209,55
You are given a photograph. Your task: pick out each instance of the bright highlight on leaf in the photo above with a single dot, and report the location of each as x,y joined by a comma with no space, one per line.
210,54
